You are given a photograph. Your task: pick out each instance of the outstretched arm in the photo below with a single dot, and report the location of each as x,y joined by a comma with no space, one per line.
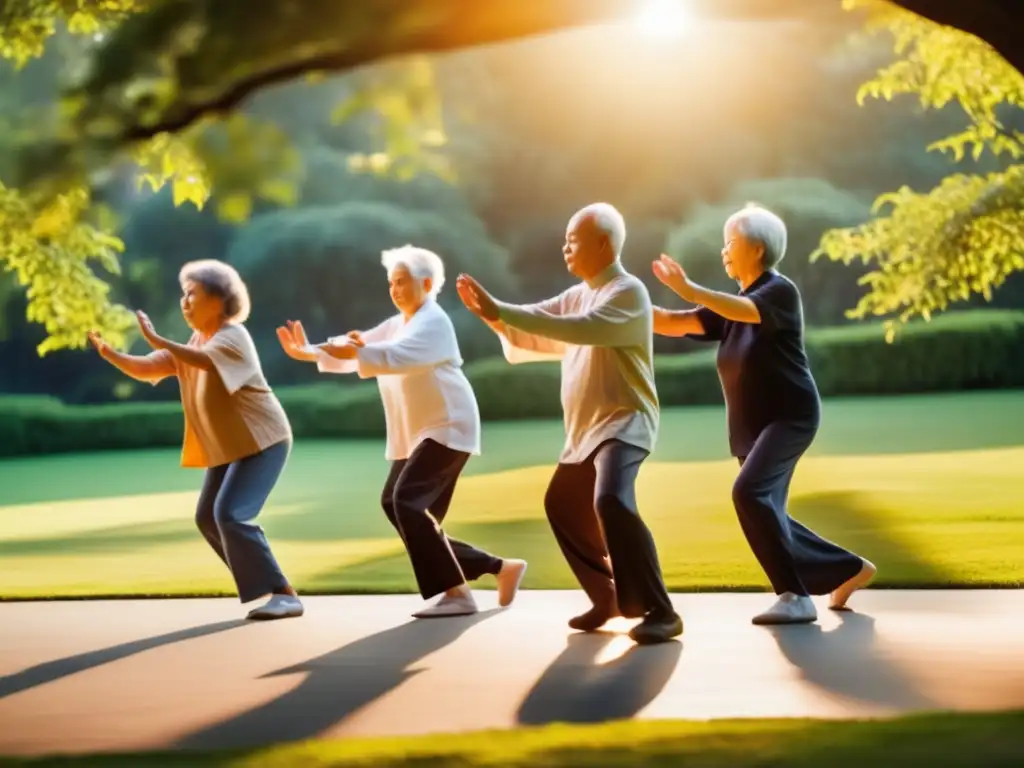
152,368
682,322
739,309
183,353
619,321
429,340
517,345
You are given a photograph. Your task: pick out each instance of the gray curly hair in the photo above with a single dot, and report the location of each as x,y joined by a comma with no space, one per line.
223,281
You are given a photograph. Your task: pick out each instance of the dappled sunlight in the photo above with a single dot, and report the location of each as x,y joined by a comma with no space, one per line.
42,519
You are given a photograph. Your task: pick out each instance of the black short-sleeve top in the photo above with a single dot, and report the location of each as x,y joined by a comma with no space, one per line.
763,367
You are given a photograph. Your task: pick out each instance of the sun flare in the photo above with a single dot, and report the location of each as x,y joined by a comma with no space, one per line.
663,18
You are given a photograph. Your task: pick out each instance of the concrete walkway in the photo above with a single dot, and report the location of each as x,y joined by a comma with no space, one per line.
132,675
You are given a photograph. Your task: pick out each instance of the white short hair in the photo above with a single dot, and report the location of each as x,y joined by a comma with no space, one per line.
761,226
420,262
607,219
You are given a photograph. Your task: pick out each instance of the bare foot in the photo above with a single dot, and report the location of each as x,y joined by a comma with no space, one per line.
843,593
509,578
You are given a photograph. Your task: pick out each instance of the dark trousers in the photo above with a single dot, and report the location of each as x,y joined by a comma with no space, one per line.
232,496
416,498
592,510
794,558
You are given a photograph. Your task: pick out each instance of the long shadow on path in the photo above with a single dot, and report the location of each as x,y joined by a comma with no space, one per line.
575,689
336,685
50,671
845,662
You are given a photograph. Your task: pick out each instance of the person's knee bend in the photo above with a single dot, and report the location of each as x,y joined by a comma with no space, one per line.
553,502
405,505
204,517
745,496
223,515
612,505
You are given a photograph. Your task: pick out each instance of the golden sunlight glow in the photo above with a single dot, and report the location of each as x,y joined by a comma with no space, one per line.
617,647
663,18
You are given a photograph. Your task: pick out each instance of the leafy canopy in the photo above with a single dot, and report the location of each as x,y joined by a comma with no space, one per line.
53,240
965,236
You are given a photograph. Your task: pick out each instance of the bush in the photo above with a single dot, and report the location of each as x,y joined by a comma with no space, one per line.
961,350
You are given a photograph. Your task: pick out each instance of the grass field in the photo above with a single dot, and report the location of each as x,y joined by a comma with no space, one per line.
929,487
928,741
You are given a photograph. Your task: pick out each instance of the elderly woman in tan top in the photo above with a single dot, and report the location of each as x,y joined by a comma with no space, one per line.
235,428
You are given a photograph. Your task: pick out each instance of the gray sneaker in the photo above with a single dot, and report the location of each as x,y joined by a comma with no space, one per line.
278,607
790,609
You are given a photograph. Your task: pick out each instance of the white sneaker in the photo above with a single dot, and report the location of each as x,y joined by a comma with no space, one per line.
459,605
509,578
790,609
278,607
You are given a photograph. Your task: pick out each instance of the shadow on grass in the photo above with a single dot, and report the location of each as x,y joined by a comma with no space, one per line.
313,522
530,540
335,686
51,671
575,689
116,538
855,523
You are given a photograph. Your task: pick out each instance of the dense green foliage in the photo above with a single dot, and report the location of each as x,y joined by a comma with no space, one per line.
955,352
303,184
965,236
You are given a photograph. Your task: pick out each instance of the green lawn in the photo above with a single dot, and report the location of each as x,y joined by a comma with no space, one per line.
928,741
928,487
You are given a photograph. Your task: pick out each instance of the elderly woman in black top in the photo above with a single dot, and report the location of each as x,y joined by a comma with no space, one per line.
773,410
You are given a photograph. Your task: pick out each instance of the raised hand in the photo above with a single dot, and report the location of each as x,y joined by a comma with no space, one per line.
284,335
476,298
298,333
148,331
98,343
672,274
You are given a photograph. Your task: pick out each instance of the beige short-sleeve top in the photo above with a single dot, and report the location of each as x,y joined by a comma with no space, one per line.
230,411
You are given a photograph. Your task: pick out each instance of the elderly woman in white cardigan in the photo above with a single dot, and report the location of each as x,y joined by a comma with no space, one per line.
433,427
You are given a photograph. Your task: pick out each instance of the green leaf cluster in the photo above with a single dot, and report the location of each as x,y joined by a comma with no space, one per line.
966,236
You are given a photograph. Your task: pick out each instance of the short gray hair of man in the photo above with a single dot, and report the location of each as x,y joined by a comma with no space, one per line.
761,226
608,220
220,280
420,262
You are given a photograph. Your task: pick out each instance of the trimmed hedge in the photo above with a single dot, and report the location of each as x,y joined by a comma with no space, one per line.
960,350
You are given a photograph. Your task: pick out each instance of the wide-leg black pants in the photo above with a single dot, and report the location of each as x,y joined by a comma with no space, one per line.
593,512
794,558
416,498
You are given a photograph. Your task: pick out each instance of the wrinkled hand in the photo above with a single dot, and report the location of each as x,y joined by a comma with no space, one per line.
98,343
148,331
672,274
477,300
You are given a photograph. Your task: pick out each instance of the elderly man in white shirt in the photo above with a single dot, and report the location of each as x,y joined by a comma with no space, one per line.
433,427
602,331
